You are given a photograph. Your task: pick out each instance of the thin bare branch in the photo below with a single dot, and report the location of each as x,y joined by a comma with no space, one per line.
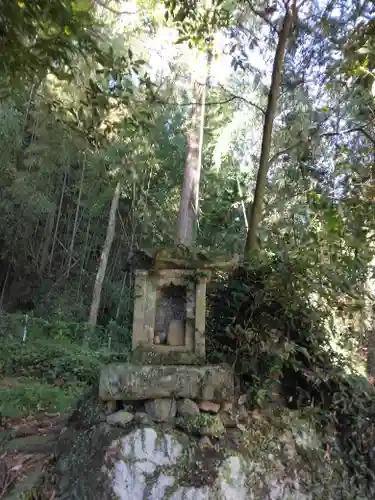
114,11
325,134
243,99
262,15
350,131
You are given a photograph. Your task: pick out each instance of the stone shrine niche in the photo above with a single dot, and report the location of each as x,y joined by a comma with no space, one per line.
169,311
170,315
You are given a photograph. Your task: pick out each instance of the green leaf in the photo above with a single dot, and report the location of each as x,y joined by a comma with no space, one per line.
363,50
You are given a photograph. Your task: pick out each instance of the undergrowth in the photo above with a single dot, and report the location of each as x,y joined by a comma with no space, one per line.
47,374
27,396
262,322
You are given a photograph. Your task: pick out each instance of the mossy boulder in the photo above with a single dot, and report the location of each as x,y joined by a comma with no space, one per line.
280,457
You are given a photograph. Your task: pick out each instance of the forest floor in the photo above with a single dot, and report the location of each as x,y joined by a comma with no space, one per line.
39,384
27,447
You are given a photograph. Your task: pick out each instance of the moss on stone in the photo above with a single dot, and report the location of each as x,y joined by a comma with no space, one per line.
201,424
270,448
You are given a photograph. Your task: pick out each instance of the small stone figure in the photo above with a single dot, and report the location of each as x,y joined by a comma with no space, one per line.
157,339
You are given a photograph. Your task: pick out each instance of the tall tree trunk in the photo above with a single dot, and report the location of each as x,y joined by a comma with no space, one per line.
100,275
273,97
367,323
370,310
188,215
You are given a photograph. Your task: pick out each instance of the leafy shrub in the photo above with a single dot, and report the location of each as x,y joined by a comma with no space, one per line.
30,396
50,360
14,326
262,323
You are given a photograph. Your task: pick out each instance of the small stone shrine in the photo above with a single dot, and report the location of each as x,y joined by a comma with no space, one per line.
170,309
167,379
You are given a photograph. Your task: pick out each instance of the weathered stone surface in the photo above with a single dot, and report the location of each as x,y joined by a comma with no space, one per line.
280,460
193,476
228,419
209,406
110,407
213,382
162,355
121,418
242,414
128,407
187,407
161,409
227,406
242,399
202,424
141,417
151,313
176,333
129,382
205,442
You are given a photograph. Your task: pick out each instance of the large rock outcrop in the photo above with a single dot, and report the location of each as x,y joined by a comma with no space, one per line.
276,459
152,437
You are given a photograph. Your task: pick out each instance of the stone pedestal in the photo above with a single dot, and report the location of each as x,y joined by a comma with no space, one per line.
132,382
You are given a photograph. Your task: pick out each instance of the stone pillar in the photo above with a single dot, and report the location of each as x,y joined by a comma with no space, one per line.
139,335
200,317
150,310
190,317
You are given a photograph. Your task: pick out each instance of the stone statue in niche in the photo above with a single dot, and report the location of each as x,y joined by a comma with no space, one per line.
170,315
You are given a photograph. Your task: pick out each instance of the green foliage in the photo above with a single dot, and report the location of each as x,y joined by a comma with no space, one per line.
196,23
27,396
50,369
352,412
53,351
360,52
44,34
50,361
263,322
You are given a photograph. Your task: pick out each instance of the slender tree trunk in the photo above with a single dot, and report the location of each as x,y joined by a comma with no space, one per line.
2,296
83,257
75,226
243,207
273,97
100,275
188,215
57,222
368,328
47,241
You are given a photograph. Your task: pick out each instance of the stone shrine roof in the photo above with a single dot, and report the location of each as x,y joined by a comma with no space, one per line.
180,257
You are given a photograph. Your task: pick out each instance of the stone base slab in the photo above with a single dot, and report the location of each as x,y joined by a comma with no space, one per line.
134,382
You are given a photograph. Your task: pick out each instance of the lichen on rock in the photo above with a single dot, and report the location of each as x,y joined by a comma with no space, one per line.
201,424
278,457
